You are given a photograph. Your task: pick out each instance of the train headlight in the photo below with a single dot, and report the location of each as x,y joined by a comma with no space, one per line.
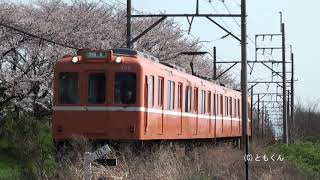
75,59
118,59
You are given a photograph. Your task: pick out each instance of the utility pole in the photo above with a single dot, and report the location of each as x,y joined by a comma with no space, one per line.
285,121
258,117
214,63
251,115
292,95
262,120
129,45
288,114
244,85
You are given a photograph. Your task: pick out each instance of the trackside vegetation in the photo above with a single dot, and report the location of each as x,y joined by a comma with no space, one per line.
26,148
27,152
304,154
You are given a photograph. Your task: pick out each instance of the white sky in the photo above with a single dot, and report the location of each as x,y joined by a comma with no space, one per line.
302,31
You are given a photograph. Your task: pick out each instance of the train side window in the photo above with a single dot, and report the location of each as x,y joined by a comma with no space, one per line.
230,106
151,91
69,88
221,104
188,99
125,88
214,112
226,112
180,95
196,105
217,104
203,102
96,88
235,108
160,92
239,108
170,95
249,110
209,102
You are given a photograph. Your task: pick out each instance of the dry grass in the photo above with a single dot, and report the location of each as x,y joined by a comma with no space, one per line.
167,163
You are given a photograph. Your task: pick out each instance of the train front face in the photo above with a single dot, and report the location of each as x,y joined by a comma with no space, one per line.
96,95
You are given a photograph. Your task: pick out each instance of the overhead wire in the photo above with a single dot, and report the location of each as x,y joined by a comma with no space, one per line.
225,5
250,39
36,36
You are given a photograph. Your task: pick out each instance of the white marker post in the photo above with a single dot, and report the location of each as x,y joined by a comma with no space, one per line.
90,157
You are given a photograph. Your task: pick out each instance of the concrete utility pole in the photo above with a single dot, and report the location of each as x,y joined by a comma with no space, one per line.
288,116
285,121
129,45
262,120
251,114
292,95
244,85
214,63
258,117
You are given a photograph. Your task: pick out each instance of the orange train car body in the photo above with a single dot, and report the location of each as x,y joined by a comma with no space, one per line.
123,94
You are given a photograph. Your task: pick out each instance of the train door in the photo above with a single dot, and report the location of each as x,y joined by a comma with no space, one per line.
160,105
95,116
239,116
209,106
215,112
179,108
146,97
148,103
222,111
195,108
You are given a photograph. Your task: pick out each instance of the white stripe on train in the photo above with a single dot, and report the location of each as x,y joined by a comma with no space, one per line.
139,109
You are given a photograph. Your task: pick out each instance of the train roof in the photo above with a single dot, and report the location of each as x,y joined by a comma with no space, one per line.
132,52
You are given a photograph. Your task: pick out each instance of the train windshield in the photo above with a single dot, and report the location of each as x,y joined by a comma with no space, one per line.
125,88
69,88
96,88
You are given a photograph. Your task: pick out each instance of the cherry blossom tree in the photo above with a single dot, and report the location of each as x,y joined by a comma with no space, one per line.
26,62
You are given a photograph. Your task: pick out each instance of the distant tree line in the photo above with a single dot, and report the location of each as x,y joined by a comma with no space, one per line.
306,121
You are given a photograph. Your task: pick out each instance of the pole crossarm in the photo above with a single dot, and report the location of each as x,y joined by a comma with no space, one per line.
264,48
276,82
185,15
268,93
272,69
148,29
224,29
231,62
259,99
226,70
274,109
271,101
257,35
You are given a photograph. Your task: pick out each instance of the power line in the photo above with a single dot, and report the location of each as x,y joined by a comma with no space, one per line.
37,37
225,5
125,5
230,29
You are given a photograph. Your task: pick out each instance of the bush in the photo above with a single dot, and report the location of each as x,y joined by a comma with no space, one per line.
31,143
304,154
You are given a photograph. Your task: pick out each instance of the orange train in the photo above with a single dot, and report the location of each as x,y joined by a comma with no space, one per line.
123,94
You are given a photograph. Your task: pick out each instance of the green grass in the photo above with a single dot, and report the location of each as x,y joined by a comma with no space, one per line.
9,166
304,154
